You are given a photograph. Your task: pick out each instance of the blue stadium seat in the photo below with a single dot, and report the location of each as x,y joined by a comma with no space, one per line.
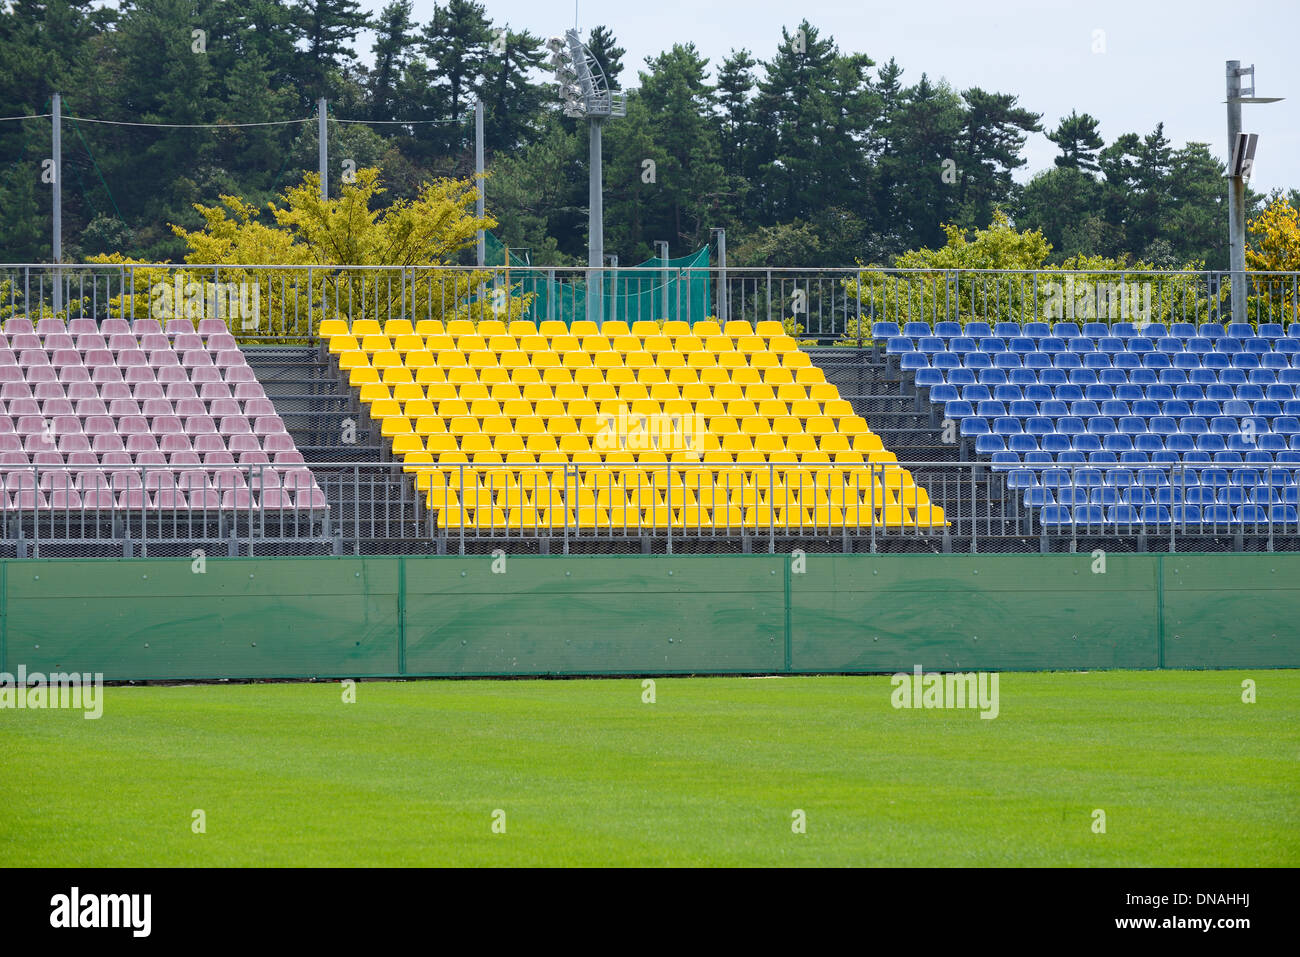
980,330
1007,330
884,330
1122,514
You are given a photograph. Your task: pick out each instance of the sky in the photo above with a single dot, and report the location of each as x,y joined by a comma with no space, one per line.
1130,64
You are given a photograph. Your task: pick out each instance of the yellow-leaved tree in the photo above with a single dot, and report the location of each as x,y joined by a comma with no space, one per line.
1273,245
349,257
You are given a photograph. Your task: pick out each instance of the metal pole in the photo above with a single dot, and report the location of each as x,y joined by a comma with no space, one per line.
324,152
1236,199
661,246
57,250
595,227
479,204
722,276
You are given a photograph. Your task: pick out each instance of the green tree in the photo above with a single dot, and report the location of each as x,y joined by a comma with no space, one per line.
1079,141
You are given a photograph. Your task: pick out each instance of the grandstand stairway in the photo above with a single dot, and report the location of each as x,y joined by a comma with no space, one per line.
323,415
913,428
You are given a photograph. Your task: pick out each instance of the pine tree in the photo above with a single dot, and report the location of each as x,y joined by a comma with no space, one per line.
1079,141
390,49
607,52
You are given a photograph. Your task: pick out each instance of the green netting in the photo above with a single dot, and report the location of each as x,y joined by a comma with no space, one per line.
656,289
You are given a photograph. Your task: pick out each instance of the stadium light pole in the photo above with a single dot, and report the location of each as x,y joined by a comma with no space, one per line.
585,93
1241,157
323,151
480,204
56,139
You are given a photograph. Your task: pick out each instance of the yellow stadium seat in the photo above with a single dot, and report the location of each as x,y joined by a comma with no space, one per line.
554,327
429,327
706,328
430,374
366,327
343,343
645,327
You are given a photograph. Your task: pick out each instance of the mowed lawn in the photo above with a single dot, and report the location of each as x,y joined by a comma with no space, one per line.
709,774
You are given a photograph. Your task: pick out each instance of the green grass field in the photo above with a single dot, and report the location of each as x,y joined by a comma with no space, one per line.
711,773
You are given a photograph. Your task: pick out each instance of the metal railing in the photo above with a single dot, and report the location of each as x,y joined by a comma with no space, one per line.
287,303
681,506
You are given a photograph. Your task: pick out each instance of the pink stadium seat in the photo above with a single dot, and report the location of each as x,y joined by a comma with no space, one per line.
105,375
193,480
211,391
206,442
222,343
53,407
48,390
275,498
68,374
48,325
190,342
181,390
192,406
148,390
155,407
60,341
269,425
114,327
91,342
134,499
82,325
99,499
117,459
20,407
37,366
216,460
168,374
194,358
107,442
185,459
135,444
121,407
231,358
199,425
10,441
231,478
136,375
145,327
206,499
155,479
18,324
49,459
239,444
65,499
77,460
16,479
235,425
125,479
254,457
57,478
73,443
220,408
66,357
203,375
286,457
26,343
30,499
240,498
123,343
153,458
132,425
176,327
173,443
156,343
209,327
171,498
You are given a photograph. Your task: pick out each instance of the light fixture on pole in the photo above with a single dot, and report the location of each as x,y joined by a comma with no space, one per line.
1241,147
584,92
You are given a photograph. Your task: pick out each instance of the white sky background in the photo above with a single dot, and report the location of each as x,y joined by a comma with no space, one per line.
1164,61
